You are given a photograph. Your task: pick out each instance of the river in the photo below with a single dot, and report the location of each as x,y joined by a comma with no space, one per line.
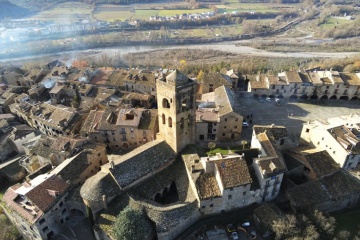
234,47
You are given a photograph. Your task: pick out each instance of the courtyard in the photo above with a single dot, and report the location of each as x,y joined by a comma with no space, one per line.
291,113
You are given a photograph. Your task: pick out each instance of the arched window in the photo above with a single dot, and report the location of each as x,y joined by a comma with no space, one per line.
184,105
163,119
165,103
182,123
189,120
169,122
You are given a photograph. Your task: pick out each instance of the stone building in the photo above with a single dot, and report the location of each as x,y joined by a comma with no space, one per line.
34,77
49,119
176,110
12,136
338,136
134,80
37,207
213,80
218,117
221,183
54,151
310,84
309,163
330,193
124,128
269,166
135,177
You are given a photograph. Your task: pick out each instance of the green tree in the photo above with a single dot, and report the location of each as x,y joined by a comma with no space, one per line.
8,231
131,224
200,75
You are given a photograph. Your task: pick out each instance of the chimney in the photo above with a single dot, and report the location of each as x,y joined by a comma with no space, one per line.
112,164
104,198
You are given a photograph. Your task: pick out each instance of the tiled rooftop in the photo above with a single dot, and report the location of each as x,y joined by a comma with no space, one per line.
338,185
233,172
207,186
141,161
177,79
259,82
95,187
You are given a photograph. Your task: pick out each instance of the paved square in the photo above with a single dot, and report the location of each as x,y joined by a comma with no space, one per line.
292,113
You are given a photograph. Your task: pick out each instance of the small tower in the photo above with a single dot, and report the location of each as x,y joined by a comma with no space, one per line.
176,110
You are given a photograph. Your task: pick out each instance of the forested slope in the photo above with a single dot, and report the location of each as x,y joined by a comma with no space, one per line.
10,10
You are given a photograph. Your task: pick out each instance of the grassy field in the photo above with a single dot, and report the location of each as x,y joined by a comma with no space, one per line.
65,12
332,22
70,11
245,7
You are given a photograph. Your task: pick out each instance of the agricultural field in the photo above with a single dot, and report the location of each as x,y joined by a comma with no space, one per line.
145,11
236,6
335,22
65,12
72,11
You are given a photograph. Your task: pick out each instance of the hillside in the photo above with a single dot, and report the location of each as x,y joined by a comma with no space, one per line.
40,5
9,10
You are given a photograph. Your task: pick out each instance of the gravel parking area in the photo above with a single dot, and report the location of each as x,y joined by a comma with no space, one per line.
292,113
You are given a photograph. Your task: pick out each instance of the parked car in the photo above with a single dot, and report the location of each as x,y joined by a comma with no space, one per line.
261,99
268,99
277,101
234,236
246,224
245,124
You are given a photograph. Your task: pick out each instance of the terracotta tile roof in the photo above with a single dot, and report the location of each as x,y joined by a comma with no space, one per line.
62,142
54,116
207,186
100,76
139,76
259,82
39,195
233,172
207,115
293,77
274,162
129,117
42,195
275,80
